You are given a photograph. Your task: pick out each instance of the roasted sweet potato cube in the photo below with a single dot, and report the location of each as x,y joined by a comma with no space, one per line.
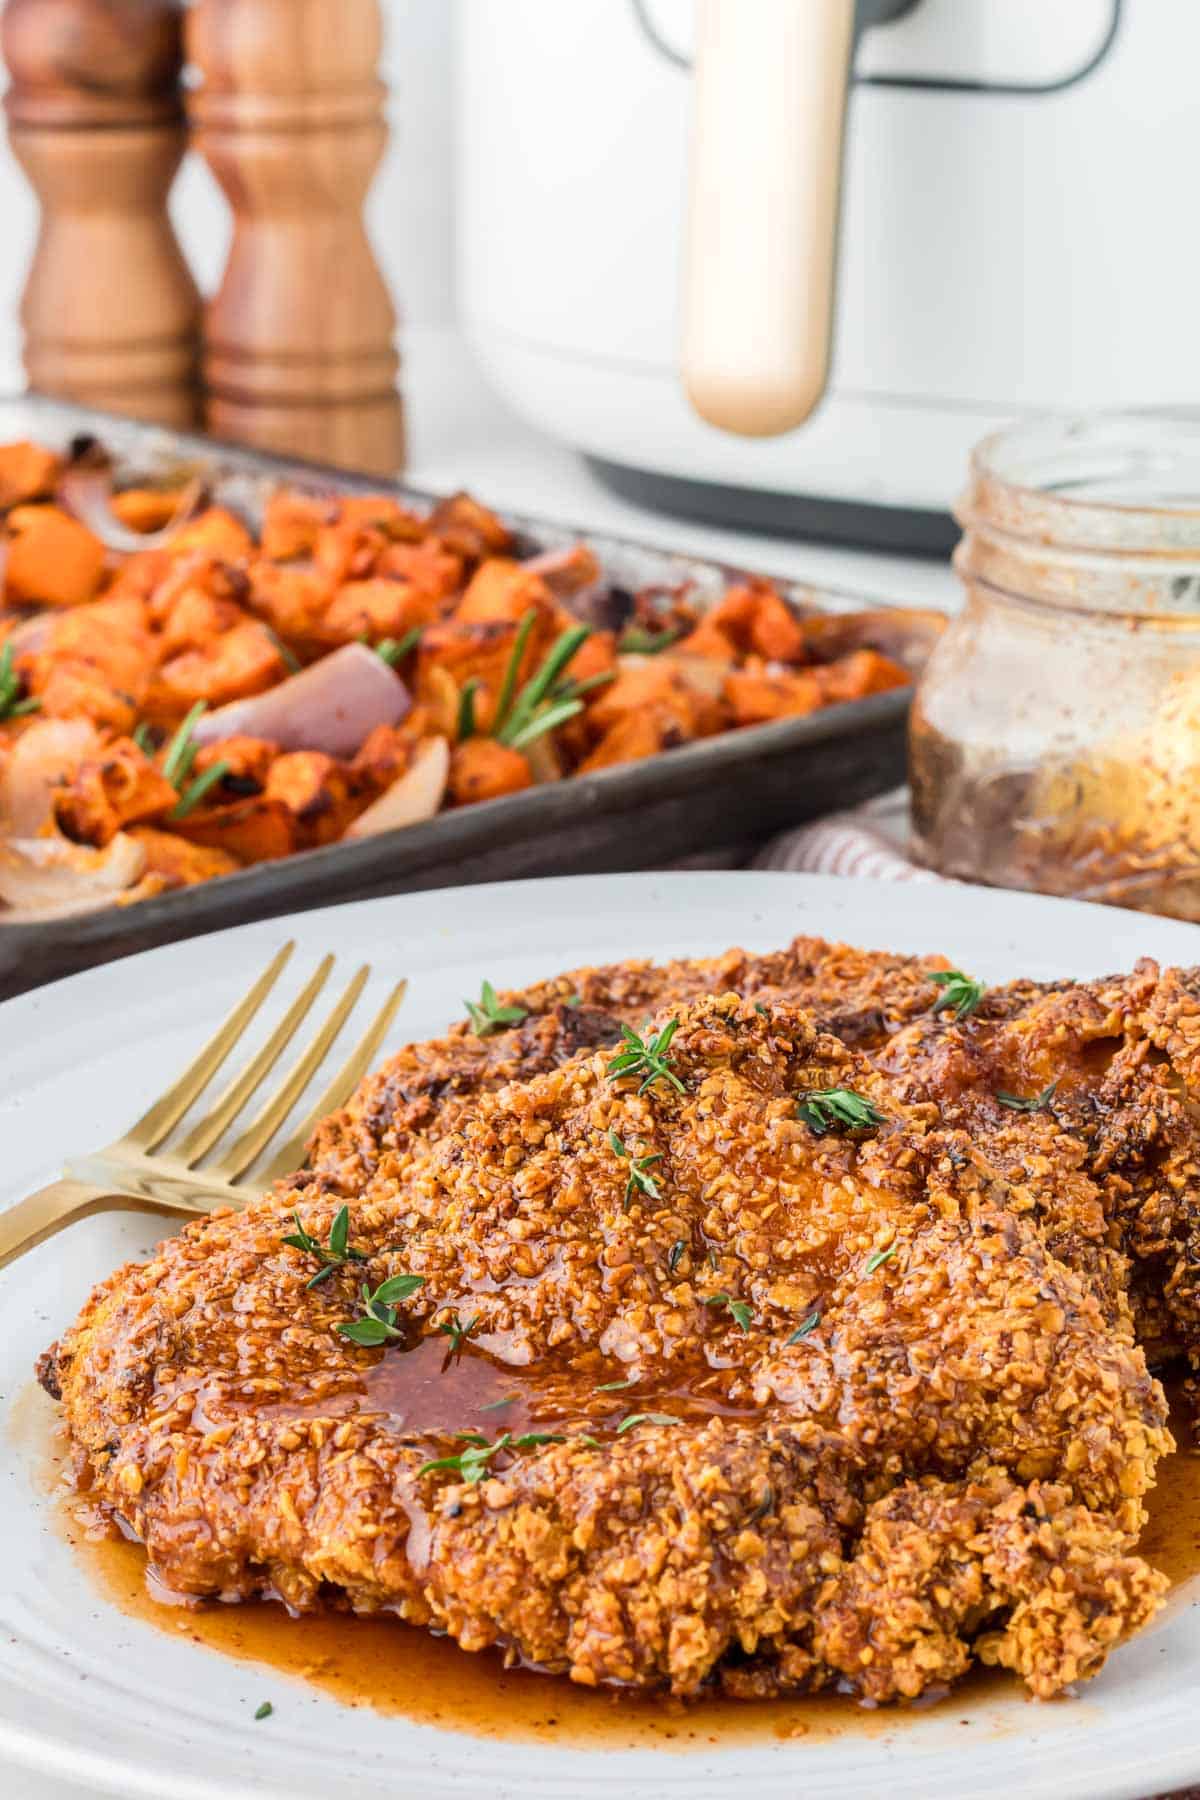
381,512
597,655
239,662
467,527
315,791
291,522
52,559
108,792
639,684
376,608
480,650
248,759
757,697
429,566
293,600
710,642
775,631
147,509
27,472
629,738
259,829
217,531
195,620
178,863
482,769
862,672
501,589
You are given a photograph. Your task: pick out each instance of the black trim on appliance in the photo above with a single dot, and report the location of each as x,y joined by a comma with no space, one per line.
904,530
932,84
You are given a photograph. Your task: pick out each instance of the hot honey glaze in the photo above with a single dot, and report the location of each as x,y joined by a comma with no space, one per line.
397,1669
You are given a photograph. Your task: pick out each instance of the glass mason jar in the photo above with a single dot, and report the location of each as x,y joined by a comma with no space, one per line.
1055,736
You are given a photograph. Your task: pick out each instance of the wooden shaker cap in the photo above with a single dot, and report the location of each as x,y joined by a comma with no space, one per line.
80,64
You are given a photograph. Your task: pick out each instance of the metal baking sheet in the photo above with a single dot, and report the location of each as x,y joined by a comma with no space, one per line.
704,796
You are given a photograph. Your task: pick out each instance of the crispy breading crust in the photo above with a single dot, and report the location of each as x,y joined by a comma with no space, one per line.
948,1463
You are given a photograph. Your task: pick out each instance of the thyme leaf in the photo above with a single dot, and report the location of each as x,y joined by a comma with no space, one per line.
647,1057
640,1181
487,1015
739,1312
1015,1104
838,1109
959,991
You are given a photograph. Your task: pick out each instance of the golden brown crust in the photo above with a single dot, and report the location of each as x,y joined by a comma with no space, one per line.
947,1461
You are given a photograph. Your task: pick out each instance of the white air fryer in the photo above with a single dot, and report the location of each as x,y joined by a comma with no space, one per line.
781,262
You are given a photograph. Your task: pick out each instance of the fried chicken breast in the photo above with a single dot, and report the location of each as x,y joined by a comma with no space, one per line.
694,1387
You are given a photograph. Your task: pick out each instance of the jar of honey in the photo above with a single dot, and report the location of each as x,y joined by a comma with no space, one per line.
1055,734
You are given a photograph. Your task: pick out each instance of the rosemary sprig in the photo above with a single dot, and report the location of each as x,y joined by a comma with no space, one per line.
651,1418
11,704
288,658
394,650
640,1181
1015,1104
143,737
739,1312
183,750
880,1257
639,640
465,725
378,1324
487,1015
194,793
805,1326
646,1056
457,1332
838,1109
472,1463
959,991
522,717
331,1256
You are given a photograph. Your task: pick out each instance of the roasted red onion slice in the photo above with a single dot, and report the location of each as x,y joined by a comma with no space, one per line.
86,490
332,706
46,754
50,878
415,797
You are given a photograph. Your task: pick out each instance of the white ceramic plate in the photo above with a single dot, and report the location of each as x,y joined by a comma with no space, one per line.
118,1706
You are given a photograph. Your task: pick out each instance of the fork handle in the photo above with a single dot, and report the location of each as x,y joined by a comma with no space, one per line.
41,1215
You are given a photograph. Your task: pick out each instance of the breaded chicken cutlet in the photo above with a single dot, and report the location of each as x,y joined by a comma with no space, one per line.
683,1384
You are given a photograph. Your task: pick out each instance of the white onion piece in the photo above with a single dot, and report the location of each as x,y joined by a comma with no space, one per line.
87,493
332,706
46,755
703,674
414,797
51,878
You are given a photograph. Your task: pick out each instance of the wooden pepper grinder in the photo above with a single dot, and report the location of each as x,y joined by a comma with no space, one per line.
95,116
298,353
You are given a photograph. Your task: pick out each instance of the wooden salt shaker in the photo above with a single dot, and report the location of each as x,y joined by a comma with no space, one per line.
298,353
95,117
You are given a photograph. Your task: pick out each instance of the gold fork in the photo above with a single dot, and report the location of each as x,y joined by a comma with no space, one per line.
141,1173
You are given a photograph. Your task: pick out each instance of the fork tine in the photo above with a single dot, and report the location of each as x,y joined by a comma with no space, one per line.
340,1088
204,1135
167,1111
239,1157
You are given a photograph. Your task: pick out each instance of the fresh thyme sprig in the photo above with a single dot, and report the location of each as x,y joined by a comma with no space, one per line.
1015,1104
331,1256
650,1418
487,1015
647,1056
378,1324
805,1326
838,1109
739,1312
472,1463
959,991
11,704
457,1332
640,1181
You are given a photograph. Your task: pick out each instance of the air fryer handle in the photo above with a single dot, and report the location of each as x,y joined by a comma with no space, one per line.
770,86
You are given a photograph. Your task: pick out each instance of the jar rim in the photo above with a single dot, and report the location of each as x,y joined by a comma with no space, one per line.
1122,482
